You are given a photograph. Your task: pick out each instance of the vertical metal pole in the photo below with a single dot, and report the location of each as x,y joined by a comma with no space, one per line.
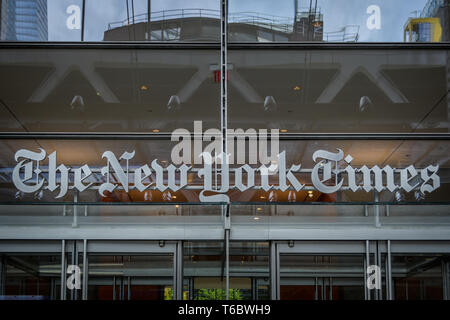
82,19
63,270
223,115
330,293
129,288
149,13
121,289
444,280
73,292
406,289
377,211
2,274
379,264
323,290
223,73
254,289
375,258
178,266
227,263
85,271
316,289
114,287
389,272
365,270
274,272
75,210
191,288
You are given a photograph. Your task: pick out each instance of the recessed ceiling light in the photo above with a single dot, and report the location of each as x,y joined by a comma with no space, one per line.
310,192
297,88
310,195
174,197
262,197
155,130
143,87
259,209
256,218
177,206
283,130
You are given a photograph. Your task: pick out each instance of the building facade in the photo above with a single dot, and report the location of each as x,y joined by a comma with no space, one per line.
107,191
24,20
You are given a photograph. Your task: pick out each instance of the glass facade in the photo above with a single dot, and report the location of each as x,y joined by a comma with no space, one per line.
24,20
347,200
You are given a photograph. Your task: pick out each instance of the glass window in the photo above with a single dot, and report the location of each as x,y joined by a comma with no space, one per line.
130,277
31,277
355,91
108,90
204,271
418,277
110,20
346,21
319,277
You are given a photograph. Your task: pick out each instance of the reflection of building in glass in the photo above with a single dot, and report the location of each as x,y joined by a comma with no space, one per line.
432,25
23,20
204,25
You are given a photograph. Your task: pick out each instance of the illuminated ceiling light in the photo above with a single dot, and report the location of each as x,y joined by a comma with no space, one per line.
39,195
144,87
270,103
155,130
292,196
77,102
167,196
297,88
98,93
399,197
259,209
147,196
365,103
283,130
177,206
174,103
174,197
419,195
273,197
262,197
256,218
310,195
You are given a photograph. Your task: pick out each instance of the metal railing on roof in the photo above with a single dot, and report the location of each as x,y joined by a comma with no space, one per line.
272,22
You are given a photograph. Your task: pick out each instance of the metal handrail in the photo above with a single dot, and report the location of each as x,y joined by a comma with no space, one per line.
268,21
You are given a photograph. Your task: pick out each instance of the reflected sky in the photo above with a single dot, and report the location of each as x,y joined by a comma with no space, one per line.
337,14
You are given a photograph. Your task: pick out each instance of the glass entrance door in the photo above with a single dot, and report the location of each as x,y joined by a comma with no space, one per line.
131,270
320,270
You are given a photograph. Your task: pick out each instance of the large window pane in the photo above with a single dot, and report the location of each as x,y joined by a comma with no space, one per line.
156,20
109,20
418,277
320,277
108,90
346,91
31,277
339,21
130,277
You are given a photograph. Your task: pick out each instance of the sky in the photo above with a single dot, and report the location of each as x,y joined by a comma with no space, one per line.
336,13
